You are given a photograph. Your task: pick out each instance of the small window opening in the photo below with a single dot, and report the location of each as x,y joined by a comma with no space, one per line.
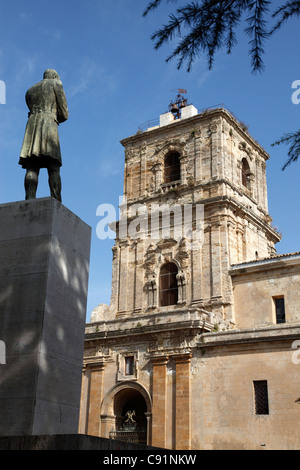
279,309
172,167
245,173
168,285
129,365
261,400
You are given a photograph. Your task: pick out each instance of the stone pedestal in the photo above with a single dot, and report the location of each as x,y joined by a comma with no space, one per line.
44,267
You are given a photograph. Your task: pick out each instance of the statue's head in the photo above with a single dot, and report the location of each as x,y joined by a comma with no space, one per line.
50,73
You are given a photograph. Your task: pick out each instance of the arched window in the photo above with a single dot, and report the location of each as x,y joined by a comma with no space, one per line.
168,285
245,173
172,167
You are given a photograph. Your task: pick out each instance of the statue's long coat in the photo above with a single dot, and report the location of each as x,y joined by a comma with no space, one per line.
47,104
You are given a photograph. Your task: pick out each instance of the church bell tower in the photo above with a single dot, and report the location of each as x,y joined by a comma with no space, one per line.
195,203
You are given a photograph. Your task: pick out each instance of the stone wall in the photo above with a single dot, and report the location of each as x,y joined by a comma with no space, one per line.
257,284
223,411
198,386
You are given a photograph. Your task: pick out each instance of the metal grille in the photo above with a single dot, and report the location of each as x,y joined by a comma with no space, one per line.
139,437
261,397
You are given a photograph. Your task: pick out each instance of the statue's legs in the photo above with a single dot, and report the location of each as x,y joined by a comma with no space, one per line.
32,177
54,180
31,182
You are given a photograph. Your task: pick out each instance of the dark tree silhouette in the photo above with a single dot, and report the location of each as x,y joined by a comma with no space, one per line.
206,26
292,139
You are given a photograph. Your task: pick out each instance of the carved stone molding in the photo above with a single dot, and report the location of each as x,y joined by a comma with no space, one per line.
159,360
183,358
94,363
151,289
121,372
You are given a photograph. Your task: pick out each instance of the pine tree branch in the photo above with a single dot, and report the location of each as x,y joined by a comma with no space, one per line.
233,21
210,25
205,24
257,30
285,12
154,4
293,140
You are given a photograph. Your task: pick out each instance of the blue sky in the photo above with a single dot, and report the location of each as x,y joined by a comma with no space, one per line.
115,81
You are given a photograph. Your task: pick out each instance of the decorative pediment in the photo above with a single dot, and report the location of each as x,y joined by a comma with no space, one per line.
166,243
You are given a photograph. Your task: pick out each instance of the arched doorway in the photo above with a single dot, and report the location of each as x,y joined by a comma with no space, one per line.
129,407
131,422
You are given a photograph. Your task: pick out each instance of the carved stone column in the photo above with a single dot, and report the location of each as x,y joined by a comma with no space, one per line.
115,277
216,271
183,165
159,409
214,134
239,237
139,277
96,396
181,283
148,418
152,292
183,402
123,266
83,416
196,278
158,175
198,156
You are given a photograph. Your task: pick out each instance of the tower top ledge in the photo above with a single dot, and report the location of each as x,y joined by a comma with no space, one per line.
190,114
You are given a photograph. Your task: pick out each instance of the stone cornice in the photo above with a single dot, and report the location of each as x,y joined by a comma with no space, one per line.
251,216
180,353
96,363
173,321
275,262
231,201
199,118
185,189
251,336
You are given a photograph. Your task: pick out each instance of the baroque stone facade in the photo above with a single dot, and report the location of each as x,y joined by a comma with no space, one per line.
197,348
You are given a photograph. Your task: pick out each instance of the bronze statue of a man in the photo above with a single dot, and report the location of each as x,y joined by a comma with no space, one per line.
47,105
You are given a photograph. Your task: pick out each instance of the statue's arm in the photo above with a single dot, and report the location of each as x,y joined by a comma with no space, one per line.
62,107
28,103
